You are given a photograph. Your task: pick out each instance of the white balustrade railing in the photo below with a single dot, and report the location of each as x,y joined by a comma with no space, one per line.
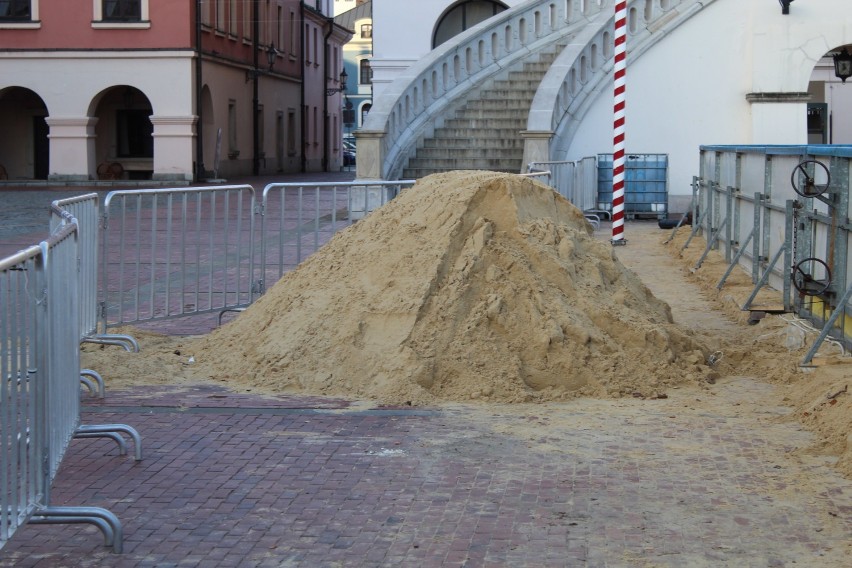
424,94
420,97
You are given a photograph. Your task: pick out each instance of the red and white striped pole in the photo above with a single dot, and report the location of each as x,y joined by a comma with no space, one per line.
620,106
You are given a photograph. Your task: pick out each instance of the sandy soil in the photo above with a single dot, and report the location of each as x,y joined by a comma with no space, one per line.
720,359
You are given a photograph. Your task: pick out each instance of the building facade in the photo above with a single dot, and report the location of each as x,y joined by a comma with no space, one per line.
357,57
698,72
170,90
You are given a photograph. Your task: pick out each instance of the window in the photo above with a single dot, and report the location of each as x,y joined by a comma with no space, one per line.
15,11
366,72
261,151
307,45
220,15
366,31
122,10
464,15
233,150
108,14
134,134
280,27
247,20
293,33
291,132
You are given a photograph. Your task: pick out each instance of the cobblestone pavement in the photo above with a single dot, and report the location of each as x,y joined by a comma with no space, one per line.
707,477
243,481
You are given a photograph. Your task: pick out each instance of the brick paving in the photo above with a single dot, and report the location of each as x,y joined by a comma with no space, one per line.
243,480
296,481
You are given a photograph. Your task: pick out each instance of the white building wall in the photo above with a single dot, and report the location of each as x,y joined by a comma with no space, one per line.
690,89
70,83
402,34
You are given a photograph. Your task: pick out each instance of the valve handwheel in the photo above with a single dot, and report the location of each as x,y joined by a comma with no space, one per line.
810,188
805,283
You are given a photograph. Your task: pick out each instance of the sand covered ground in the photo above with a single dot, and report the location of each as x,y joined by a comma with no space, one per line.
484,288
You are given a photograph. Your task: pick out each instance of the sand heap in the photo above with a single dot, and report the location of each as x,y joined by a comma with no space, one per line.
470,285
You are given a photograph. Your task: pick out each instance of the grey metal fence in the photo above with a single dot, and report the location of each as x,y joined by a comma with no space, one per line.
168,253
576,181
40,389
298,218
782,213
22,408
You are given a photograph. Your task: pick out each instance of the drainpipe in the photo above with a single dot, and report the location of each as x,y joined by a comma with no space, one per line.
199,125
325,121
303,108
255,103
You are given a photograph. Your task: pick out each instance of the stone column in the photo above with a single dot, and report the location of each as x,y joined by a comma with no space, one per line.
369,161
72,148
536,146
174,143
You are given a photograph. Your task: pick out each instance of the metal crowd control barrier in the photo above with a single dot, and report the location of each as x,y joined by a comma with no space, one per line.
298,218
40,388
167,253
84,208
576,181
782,213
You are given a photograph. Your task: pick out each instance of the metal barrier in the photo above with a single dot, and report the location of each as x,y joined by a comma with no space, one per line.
576,181
169,253
174,252
40,389
84,209
297,219
782,213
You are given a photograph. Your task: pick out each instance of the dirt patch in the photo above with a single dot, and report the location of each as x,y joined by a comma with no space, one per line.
773,349
490,288
469,286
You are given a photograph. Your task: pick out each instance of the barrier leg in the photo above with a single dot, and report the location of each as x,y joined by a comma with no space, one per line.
107,522
114,436
107,430
90,377
125,341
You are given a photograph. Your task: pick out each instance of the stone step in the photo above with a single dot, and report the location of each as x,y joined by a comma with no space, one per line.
444,141
491,133
484,133
525,76
487,123
502,164
503,88
498,103
492,113
418,173
471,152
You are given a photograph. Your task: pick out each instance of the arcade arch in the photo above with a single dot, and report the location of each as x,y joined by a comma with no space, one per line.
123,132
462,15
24,147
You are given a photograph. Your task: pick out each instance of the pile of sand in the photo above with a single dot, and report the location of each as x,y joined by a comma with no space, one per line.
470,285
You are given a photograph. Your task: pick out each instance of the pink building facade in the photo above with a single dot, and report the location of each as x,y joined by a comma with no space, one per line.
169,90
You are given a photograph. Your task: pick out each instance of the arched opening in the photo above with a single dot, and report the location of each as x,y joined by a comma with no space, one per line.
462,15
124,133
24,146
209,130
830,107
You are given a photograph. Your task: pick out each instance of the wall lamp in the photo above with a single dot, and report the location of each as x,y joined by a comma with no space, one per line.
785,6
843,65
271,56
341,88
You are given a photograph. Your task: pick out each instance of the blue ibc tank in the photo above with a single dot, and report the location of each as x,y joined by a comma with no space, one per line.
645,185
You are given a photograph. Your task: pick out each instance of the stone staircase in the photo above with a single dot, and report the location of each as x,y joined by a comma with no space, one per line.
484,133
